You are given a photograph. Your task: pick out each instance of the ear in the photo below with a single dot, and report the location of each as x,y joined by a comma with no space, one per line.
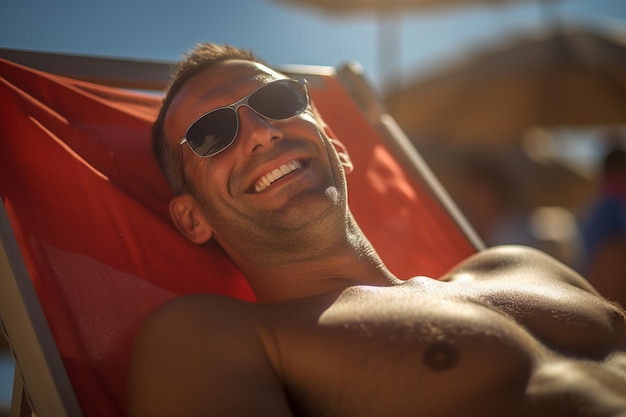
189,219
342,151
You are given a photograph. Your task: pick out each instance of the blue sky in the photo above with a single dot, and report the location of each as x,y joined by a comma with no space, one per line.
279,32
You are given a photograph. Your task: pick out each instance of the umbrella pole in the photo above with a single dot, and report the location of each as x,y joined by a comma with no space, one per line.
389,49
551,13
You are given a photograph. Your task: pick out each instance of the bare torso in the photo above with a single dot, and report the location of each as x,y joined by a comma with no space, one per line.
498,337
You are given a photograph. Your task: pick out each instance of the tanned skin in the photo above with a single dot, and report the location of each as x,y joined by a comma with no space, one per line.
508,332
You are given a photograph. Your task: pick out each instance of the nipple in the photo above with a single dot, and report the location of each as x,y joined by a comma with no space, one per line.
441,356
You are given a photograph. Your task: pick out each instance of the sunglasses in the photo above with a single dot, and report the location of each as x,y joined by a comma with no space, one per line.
216,130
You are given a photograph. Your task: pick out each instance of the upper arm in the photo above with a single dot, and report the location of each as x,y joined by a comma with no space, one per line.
200,356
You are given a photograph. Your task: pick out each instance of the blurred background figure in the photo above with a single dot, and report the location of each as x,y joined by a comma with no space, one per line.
509,198
489,194
6,376
603,228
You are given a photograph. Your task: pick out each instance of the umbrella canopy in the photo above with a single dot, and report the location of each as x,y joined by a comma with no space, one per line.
526,180
564,78
351,6
388,10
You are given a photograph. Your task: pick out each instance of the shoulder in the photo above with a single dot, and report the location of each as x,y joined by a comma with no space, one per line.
517,263
192,316
200,320
195,309
193,341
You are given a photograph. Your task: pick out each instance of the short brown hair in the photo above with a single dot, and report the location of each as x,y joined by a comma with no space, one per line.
203,56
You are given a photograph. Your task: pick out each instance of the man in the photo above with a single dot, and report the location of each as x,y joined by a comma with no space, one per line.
509,332
604,230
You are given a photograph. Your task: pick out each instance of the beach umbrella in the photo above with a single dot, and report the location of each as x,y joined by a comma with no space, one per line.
387,11
352,6
566,77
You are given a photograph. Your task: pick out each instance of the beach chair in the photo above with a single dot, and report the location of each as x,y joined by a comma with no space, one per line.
88,250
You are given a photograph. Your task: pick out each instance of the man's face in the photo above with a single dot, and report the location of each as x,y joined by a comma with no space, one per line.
278,177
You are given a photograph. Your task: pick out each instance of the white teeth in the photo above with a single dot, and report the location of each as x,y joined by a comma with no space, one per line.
267,179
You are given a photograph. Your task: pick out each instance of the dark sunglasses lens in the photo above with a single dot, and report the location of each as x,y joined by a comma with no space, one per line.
213,132
279,100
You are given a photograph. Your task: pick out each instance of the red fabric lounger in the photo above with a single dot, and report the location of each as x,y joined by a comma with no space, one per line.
88,206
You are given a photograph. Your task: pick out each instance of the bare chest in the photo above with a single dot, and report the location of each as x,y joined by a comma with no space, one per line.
372,357
383,352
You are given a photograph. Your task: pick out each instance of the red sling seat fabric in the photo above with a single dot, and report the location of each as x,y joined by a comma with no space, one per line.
89,209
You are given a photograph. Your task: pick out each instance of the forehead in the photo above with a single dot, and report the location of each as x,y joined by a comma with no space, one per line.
214,87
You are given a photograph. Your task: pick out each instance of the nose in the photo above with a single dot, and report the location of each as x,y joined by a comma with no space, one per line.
256,133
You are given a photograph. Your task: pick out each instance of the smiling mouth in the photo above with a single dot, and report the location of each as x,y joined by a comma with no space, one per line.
273,176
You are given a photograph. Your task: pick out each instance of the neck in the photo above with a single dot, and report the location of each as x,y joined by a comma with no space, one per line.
313,267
